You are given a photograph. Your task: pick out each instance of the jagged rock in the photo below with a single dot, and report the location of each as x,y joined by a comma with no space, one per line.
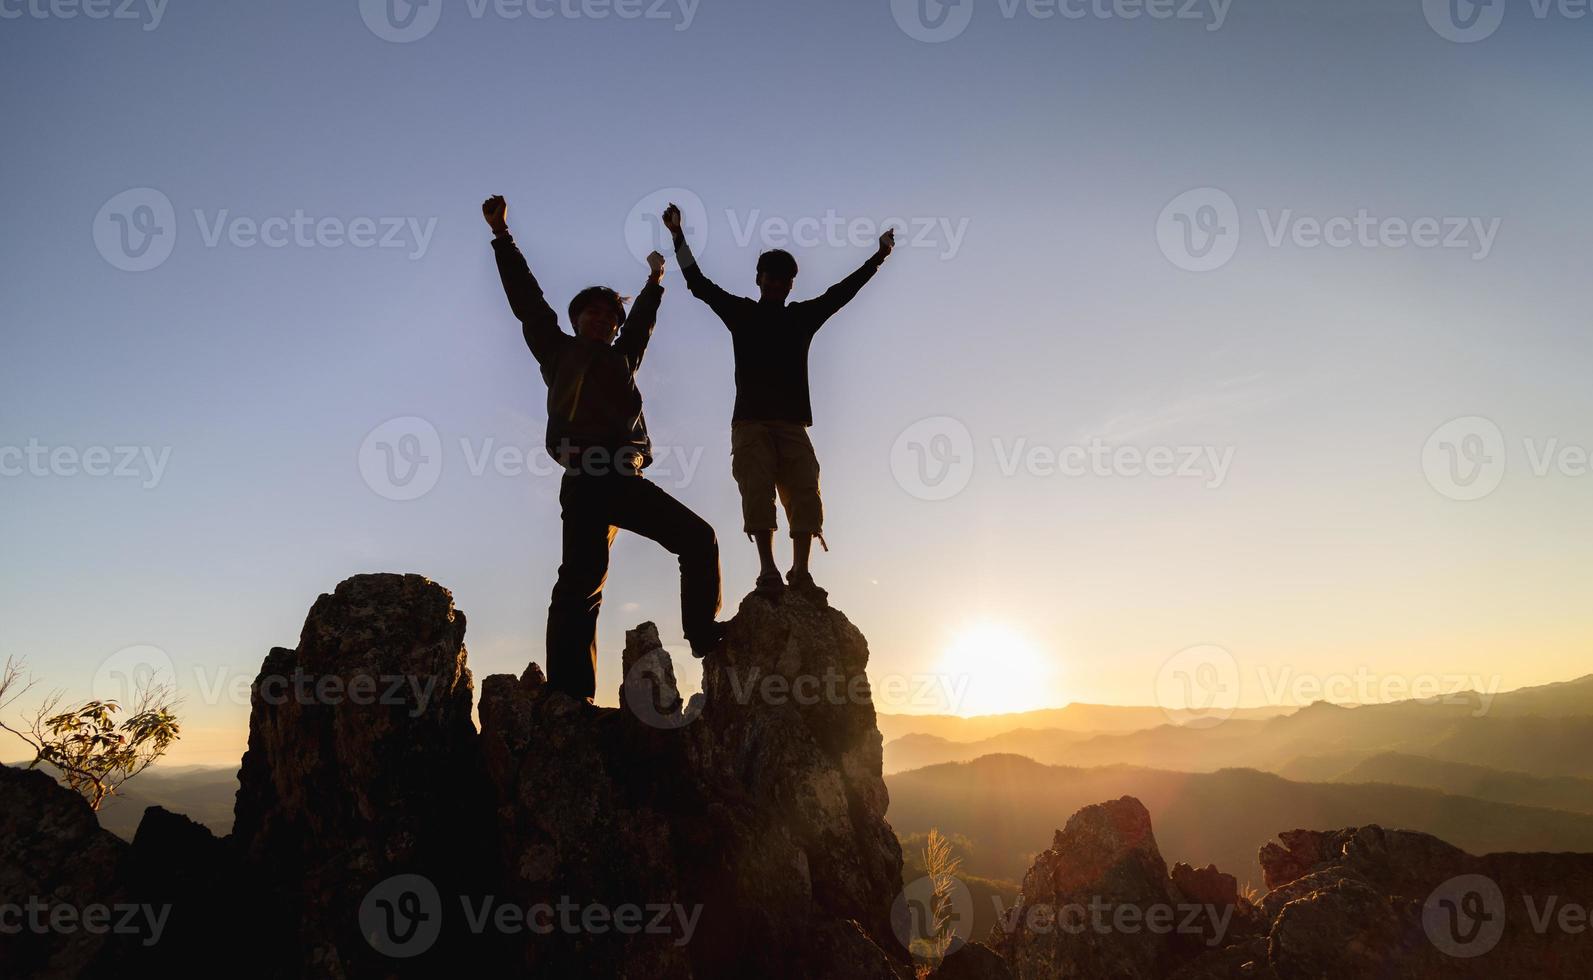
649,689
1414,906
1100,902
362,765
178,865
55,859
1301,851
1347,929
757,814
1356,902
973,961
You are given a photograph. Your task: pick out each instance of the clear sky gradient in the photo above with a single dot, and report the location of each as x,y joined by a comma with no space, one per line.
1038,298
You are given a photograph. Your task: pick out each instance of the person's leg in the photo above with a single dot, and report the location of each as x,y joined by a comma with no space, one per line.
797,479
765,542
647,509
801,550
578,593
752,463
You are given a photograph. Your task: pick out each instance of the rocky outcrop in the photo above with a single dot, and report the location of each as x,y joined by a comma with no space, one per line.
750,822
363,766
1360,902
378,834
1100,902
742,833
57,868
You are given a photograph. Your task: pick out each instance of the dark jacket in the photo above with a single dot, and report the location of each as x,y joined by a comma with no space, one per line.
594,408
771,342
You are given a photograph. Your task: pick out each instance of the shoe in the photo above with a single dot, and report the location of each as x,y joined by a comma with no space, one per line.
802,583
770,585
702,646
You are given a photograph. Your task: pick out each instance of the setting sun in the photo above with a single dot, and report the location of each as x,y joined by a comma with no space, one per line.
992,668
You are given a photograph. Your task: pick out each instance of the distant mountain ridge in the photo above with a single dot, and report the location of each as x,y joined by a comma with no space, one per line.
1004,804
1541,731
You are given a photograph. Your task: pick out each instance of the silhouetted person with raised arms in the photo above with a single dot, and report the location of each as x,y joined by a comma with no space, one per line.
770,450
597,432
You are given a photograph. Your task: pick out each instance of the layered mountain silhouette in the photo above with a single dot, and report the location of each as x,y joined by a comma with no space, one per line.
1002,805
1538,731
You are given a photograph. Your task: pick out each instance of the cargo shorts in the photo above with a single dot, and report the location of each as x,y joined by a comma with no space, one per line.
776,458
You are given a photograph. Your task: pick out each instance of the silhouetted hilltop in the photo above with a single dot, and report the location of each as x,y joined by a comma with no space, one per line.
1004,805
1484,783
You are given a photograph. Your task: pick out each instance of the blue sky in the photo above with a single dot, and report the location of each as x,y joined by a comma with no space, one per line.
1033,302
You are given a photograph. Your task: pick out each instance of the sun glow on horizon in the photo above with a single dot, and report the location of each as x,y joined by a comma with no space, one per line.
990,668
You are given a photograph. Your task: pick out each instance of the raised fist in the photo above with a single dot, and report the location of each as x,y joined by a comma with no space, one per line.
496,210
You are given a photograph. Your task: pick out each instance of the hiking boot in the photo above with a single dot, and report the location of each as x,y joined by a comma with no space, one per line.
802,584
770,585
702,646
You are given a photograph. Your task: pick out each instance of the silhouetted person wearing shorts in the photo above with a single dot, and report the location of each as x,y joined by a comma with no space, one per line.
771,453
597,432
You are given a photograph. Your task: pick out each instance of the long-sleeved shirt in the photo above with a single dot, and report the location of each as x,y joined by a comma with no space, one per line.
594,407
771,341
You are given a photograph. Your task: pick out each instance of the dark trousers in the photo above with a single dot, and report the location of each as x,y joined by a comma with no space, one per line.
594,509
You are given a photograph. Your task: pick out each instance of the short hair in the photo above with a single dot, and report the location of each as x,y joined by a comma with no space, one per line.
778,262
597,294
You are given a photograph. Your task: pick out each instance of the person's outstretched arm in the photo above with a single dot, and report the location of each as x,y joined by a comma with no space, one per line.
638,328
700,285
843,292
540,323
